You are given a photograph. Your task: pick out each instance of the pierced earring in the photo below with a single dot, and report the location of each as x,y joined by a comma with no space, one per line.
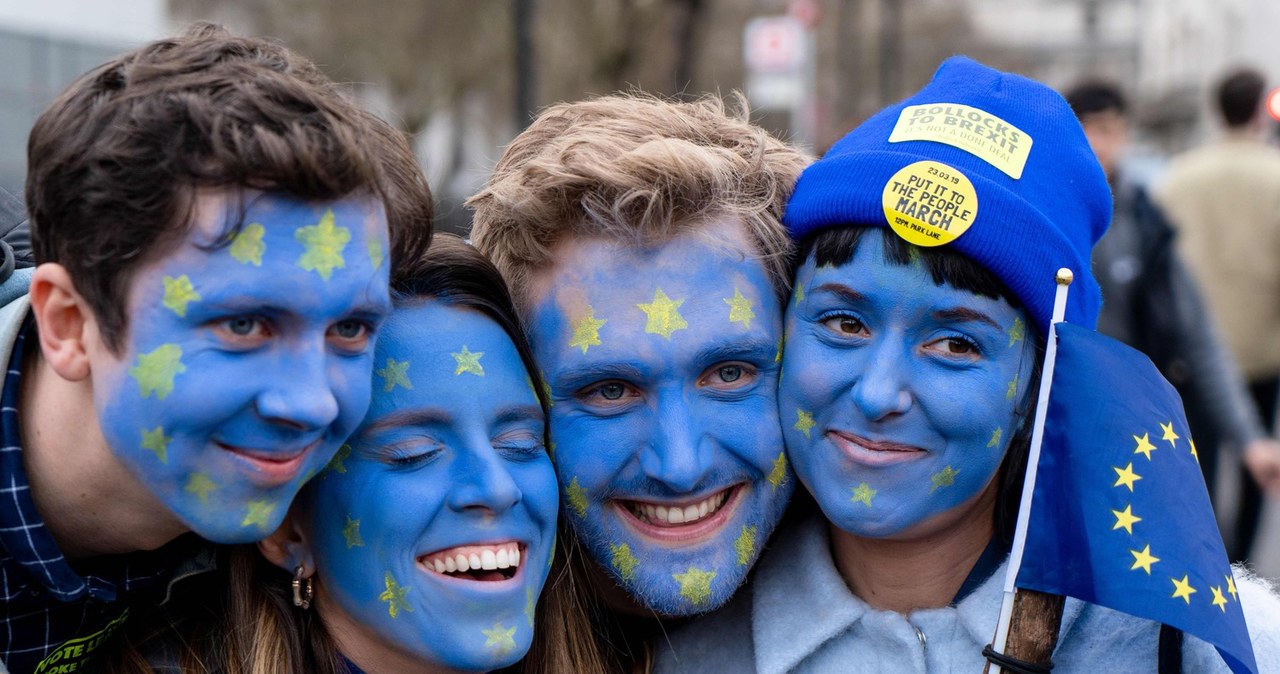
302,589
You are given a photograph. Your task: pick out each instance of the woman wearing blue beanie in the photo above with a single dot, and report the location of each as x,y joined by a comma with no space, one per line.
928,241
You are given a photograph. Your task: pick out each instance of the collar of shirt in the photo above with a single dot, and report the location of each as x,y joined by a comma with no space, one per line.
799,580
30,560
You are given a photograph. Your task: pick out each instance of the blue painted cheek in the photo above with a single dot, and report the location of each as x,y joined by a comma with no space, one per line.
225,428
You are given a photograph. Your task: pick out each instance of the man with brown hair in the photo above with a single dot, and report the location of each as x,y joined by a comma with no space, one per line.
1224,199
643,241
210,221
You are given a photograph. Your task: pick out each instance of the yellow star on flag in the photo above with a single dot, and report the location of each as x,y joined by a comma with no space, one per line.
259,512
157,442
943,478
1194,453
394,596
745,545
623,560
1143,559
586,330
156,370
468,362
1125,519
1182,589
200,485
863,494
324,244
351,532
1017,331
395,373
1231,586
577,497
804,422
1126,476
778,474
1012,390
695,585
1218,600
178,292
1169,434
247,247
663,315
1144,445
995,438
740,309
500,640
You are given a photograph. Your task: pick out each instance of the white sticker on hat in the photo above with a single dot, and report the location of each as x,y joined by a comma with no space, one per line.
978,132
929,203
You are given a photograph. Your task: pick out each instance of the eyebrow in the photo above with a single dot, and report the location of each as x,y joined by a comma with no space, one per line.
593,372
966,315
409,418
753,347
518,413
844,292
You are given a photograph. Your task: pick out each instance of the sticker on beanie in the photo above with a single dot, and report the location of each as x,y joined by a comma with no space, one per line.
978,132
929,203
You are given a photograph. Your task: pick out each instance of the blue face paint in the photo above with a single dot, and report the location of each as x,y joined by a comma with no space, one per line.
447,474
899,396
245,365
662,364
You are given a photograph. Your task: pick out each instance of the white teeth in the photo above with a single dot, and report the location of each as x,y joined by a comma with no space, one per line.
450,565
440,566
488,561
515,555
504,560
678,515
474,559
463,564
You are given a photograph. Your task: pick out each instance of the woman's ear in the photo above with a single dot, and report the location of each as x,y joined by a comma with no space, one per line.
289,546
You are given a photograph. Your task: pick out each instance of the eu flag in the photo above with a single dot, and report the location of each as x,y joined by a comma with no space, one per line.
1120,515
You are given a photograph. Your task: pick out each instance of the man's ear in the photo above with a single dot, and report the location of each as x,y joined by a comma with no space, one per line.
66,324
289,547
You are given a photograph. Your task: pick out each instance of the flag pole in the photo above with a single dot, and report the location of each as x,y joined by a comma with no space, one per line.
1063,279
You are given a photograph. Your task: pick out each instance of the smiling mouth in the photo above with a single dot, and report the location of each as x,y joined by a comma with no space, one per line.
681,522
270,469
489,562
874,452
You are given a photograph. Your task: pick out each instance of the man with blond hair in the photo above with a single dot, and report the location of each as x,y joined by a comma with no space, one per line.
643,241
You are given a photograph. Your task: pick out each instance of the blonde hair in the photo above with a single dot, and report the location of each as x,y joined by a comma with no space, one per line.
636,169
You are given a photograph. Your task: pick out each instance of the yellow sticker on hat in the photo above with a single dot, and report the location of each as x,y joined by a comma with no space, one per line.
929,203
976,131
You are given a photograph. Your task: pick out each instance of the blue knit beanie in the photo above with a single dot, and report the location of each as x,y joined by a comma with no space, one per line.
989,164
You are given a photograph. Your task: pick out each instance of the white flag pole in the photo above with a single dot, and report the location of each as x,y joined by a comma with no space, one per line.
1063,279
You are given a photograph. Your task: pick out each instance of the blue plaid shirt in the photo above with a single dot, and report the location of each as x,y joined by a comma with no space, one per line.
53,617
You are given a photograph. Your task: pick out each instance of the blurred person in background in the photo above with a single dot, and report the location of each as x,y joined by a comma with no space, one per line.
1152,303
1224,199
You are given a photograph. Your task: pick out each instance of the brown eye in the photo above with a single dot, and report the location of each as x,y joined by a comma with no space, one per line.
845,325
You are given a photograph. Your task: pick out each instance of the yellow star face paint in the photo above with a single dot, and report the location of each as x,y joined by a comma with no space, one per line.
662,362
242,371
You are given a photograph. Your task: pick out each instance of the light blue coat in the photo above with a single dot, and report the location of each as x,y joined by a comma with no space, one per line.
797,615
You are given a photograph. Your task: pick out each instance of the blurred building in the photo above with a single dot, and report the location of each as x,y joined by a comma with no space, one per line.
44,46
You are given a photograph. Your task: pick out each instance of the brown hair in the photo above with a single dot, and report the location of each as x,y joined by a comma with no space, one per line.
115,161
636,169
